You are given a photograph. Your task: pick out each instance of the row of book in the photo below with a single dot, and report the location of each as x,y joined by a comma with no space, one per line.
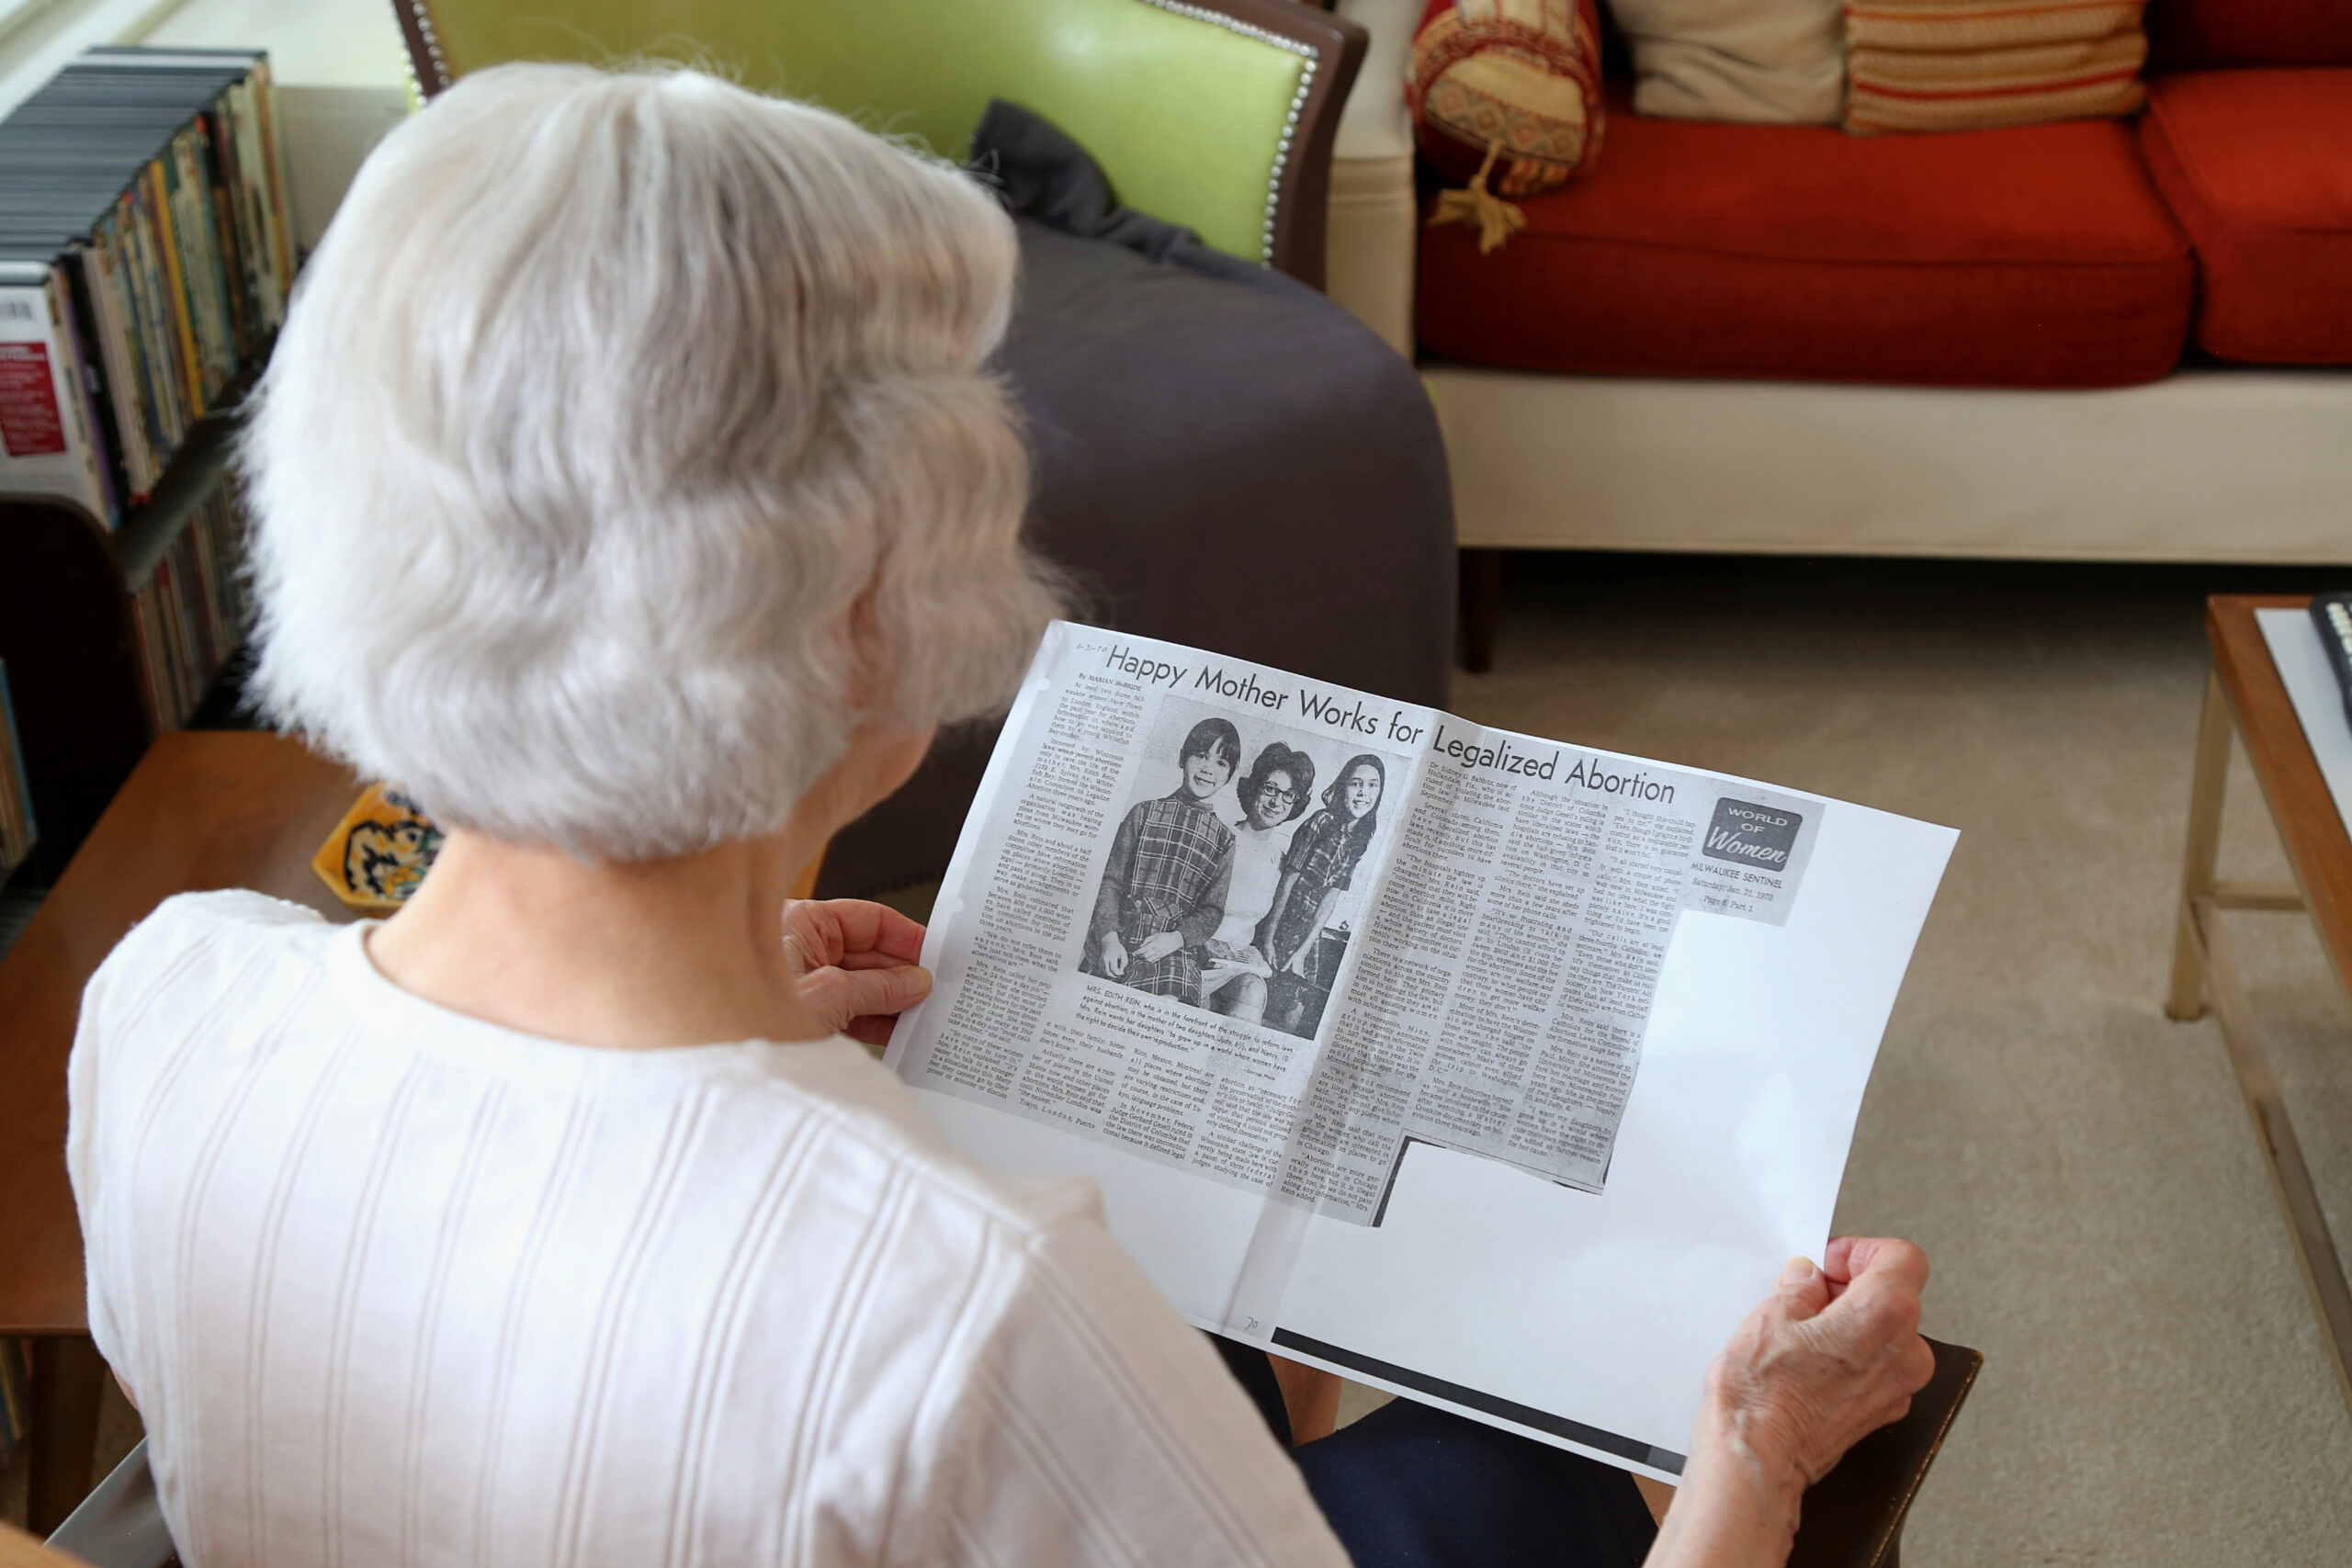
146,255
190,611
17,828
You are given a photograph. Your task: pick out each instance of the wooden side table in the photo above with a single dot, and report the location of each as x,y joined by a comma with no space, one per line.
200,811
2244,693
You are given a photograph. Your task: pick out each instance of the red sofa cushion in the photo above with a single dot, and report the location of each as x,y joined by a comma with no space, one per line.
2258,166
2037,256
2217,34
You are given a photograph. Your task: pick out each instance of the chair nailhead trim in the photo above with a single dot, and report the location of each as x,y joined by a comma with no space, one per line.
418,9
1307,67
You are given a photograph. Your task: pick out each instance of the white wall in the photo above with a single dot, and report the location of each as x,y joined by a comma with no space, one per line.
312,43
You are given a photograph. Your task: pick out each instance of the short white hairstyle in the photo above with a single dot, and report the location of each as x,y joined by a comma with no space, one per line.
629,443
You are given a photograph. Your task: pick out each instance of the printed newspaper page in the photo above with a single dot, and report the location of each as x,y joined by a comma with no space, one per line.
1514,951
1158,898
1271,933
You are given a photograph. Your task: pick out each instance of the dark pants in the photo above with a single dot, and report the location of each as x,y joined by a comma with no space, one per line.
1412,1487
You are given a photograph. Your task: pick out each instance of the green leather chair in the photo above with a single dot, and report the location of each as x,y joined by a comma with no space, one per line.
1216,114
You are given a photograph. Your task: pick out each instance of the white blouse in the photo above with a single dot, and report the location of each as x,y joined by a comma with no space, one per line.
396,1286
1257,874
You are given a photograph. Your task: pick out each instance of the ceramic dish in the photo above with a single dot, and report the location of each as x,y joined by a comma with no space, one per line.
380,852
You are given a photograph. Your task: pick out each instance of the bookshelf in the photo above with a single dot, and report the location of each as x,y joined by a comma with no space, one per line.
70,636
145,261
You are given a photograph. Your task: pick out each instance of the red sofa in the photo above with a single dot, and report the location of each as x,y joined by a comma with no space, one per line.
2095,339
2081,253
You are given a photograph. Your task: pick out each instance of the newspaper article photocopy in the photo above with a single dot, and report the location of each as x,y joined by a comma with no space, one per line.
1266,932
1498,1071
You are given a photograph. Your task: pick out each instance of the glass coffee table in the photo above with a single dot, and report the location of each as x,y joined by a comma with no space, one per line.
2245,694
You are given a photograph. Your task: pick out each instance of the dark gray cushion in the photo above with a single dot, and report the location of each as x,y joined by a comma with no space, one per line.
1223,457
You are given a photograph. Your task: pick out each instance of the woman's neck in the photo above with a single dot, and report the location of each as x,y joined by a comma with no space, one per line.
686,952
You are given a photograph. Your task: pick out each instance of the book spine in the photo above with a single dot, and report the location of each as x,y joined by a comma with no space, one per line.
206,567
204,635
216,536
192,224
118,257
234,524
116,350
11,850
228,249
144,275
167,693
135,394
165,374
142,625
220,252
180,679
255,187
157,180
101,447
20,830
238,245
273,145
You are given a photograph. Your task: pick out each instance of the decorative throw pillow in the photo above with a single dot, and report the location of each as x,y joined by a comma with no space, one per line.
1763,61
1510,82
1966,65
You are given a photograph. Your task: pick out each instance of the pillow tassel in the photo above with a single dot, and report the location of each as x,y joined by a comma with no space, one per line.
1497,220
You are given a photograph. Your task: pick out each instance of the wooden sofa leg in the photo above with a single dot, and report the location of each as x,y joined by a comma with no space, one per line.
1484,573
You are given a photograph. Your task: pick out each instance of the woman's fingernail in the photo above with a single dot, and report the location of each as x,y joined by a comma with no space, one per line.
919,980
1799,1272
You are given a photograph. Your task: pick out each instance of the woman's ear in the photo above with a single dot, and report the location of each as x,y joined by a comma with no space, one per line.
877,761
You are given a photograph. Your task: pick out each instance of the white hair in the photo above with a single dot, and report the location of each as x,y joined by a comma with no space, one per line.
629,443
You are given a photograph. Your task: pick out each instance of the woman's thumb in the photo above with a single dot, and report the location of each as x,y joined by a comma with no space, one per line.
1805,1287
837,996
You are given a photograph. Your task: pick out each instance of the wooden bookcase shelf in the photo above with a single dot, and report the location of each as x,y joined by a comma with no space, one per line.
68,634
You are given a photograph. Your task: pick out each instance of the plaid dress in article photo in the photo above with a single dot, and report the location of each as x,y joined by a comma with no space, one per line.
1323,855
1167,866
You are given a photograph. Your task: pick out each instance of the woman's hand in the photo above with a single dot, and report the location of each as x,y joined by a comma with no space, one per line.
1114,955
1217,972
1159,945
1831,1356
858,968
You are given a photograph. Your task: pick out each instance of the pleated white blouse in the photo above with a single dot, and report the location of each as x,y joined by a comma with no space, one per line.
396,1286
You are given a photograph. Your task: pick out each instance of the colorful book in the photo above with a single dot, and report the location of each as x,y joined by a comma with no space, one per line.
47,444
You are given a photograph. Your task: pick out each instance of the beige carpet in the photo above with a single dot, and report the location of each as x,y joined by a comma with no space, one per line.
2079,1168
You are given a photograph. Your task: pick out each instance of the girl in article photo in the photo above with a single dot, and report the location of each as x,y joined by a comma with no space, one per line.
1324,854
1163,892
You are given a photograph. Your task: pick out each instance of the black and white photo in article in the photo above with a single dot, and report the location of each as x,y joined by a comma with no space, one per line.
1231,883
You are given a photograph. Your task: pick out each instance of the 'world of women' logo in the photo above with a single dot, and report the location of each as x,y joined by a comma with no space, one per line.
1749,834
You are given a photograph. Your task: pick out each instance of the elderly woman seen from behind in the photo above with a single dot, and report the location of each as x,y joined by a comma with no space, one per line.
631,487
